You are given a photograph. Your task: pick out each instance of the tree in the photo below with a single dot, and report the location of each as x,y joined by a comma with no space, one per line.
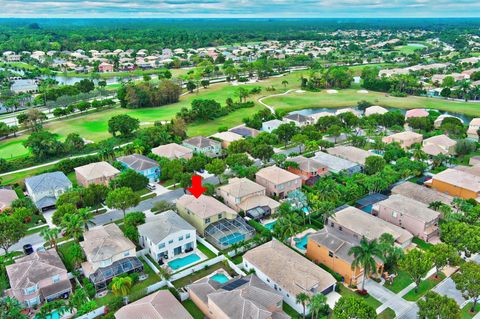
285,132
364,257
95,194
444,255
51,235
416,263
216,167
465,147
62,210
263,152
73,226
11,231
374,164
121,286
467,280
44,144
131,179
353,308
303,299
11,308
334,131
435,306
318,305
391,253
122,198
74,143
124,124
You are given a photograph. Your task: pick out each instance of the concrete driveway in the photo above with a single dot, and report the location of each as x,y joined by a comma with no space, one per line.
447,288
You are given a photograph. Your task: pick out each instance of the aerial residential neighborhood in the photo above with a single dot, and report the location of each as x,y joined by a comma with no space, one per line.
242,165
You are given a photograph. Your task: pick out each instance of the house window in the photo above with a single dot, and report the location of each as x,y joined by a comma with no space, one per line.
330,254
170,241
162,245
219,216
127,253
332,224
180,238
187,236
30,290
207,220
55,278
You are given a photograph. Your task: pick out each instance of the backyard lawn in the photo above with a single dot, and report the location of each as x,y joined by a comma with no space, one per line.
387,314
422,244
466,314
345,292
182,282
424,287
399,283
193,310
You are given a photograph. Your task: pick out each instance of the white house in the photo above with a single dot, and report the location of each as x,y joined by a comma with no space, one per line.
44,189
167,235
271,125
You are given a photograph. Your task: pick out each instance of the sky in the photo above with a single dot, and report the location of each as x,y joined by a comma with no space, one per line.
239,8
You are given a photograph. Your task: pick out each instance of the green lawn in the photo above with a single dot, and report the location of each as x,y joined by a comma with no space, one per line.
193,309
13,148
466,314
387,314
407,49
345,292
64,255
350,97
207,252
399,283
424,287
422,244
36,230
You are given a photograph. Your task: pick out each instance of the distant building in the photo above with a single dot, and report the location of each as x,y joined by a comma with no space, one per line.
421,193
439,144
227,138
105,67
270,126
142,165
95,173
44,189
351,153
405,139
173,151
308,169
277,181
204,145
298,119
7,196
245,131
24,86
336,164
463,182
375,109
416,113
473,128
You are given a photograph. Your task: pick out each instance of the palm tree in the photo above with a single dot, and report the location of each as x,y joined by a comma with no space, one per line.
285,83
51,235
364,257
85,215
303,299
435,205
165,273
317,304
73,226
121,286
419,155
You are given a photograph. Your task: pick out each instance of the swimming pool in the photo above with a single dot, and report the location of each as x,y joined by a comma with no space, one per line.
221,278
270,225
301,243
367,209
184,261
231,239
53,315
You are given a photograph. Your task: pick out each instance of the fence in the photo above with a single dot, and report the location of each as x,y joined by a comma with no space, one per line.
198,267
94,314
208,245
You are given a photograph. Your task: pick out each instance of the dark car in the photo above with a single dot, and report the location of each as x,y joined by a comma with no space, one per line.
28,249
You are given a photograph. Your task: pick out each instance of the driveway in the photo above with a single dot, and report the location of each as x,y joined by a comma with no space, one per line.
36,240
403,309
447,288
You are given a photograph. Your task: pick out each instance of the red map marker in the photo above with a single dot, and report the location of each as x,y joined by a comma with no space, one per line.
197,189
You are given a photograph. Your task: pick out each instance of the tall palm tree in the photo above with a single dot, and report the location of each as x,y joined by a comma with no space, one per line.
73,226
364,257
317,304
121,286
51,235
85,215
304,299
165,273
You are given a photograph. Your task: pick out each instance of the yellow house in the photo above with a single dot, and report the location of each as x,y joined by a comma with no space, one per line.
461,181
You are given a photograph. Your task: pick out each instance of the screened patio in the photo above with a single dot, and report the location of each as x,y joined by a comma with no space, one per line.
224,233
102,277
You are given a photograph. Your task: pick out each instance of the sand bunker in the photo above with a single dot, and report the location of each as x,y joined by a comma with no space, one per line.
332,91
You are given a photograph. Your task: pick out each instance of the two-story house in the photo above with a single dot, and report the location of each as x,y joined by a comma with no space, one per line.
241,194
167,235
308,169
37,278
142,165
439,144
173,151
409,214
95,173
204,145
277,181
44,189
109,254
405,139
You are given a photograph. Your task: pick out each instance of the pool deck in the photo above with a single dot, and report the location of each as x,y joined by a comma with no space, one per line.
299,236
195,251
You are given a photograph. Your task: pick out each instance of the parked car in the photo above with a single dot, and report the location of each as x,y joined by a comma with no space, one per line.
28,249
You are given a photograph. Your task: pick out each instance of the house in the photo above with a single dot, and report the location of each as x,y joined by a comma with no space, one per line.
227,138
439,144
95,173
316,116
350,153
331,247
245,131
44,189
288,272
166,236
457,182
277,181
439,120
24,86
347,110
204,145
297,119
416,113
336,164
109,254
473,128
308,169
173,151
241,194
105,67
409,214
357,224
142,165
37,278
405,139
159,305
375,109
7,196
246,297
215,221
270,126
421,193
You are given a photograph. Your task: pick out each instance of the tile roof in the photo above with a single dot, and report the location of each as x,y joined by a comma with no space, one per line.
351,153
276,175
159,226
97,170
307,164
240,187
201,142
410,207
171,150
103,242
204,206
460,178
421,193
7,196
228,136
334,163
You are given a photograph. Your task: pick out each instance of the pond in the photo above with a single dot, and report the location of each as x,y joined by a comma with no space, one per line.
418,45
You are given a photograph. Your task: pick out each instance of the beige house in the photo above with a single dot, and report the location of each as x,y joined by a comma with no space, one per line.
226,138
159,305
375,109
440,144
288,272
421,193
38,277
241,194
473,128
357,224
106,250
405,139
173,151
409,214
350,153
95,173
7,196
277,181
246,297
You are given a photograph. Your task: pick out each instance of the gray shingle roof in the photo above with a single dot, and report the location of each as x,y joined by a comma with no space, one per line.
138,162
158,227
48,182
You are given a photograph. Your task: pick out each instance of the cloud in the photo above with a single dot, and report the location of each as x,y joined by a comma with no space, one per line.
239,8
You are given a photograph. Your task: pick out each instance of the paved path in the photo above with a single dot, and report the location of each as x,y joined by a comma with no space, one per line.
260,100
403,309
36,240
447,288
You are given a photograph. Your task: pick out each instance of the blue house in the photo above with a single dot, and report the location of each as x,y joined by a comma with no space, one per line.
142,165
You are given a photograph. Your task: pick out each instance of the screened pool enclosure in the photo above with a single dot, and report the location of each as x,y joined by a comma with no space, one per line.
226,232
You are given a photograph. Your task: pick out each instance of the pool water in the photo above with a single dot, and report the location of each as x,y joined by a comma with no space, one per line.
367,209
301,243
221,278
231,239
53,315
270,225
184,261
